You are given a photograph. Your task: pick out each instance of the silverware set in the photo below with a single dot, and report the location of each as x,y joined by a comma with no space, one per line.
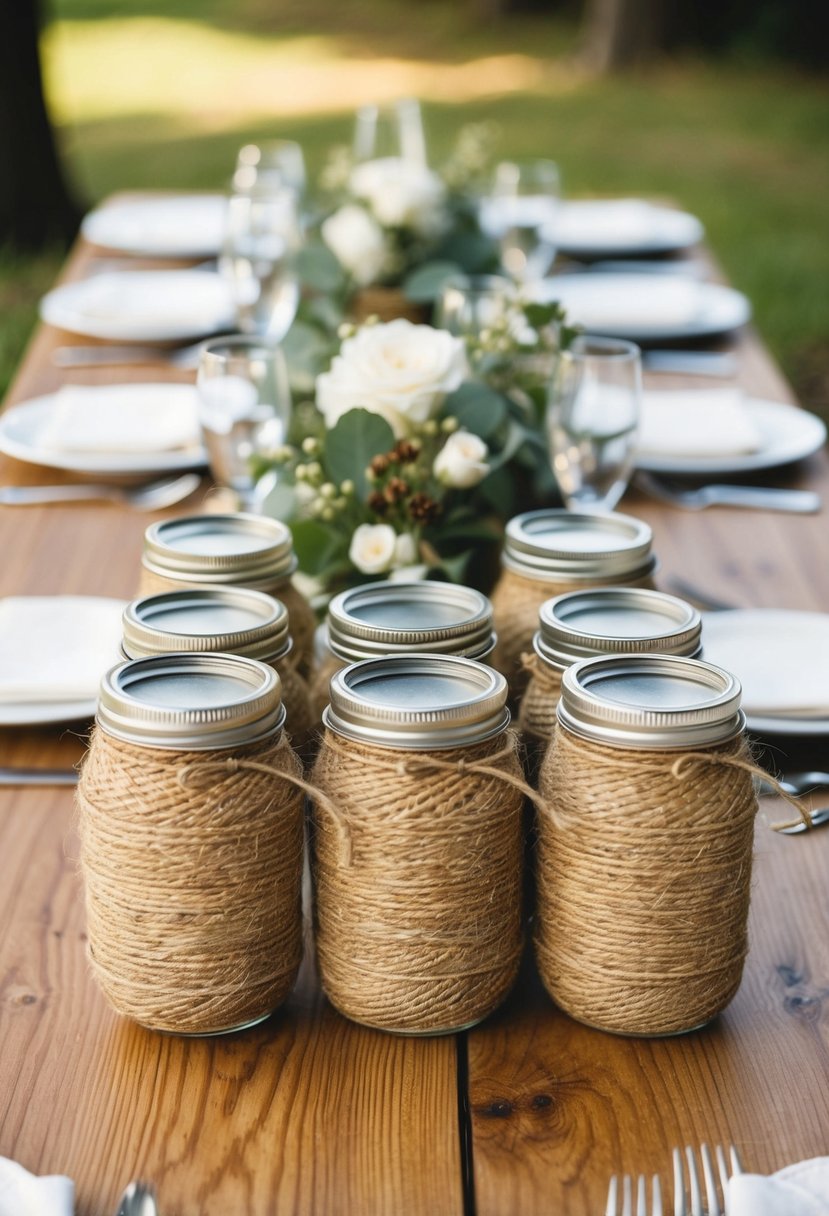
687,1186
127,355
762,498
151,496
137,1200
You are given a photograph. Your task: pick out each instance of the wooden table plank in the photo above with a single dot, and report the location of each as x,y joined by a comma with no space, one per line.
305,1114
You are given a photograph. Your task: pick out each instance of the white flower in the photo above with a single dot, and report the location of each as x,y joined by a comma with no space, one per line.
462,461
372,548
399,370
409,574
357,241
402,194
405,549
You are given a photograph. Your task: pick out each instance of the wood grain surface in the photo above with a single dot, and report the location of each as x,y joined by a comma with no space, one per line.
309,1114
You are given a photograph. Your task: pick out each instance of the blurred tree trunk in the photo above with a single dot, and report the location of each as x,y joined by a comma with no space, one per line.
36,206
621,33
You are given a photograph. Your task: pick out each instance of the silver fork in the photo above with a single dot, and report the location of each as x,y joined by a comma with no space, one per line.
715,1190
627,1208
116,356
761,498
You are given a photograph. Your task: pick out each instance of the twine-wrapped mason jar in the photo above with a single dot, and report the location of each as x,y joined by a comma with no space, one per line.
645,844
402,618
549,552
191,827
235,550
585,624
232,620
416,855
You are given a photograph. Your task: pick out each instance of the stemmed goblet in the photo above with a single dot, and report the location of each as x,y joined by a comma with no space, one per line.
261,242
592,418
520,213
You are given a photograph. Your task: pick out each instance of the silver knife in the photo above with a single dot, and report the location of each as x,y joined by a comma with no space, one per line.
38,776
690,362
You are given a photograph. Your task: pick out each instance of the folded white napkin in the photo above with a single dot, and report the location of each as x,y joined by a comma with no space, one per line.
56,648
649,301
164,224
697,422
780,657
122,418
151,300
797,1190
23,1194
609,222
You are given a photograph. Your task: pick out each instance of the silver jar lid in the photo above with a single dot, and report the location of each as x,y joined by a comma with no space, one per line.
424,702
557,544
615,620
196,702
390,618
651,701
234,548
235,620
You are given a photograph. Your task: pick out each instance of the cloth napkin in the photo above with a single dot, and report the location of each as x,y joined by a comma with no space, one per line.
608,222
697,422
56,648
797,1190
167,224
649,302
23,1194
153,301
122,418
780,657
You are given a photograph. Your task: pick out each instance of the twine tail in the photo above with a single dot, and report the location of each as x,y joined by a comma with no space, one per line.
232,765
747,766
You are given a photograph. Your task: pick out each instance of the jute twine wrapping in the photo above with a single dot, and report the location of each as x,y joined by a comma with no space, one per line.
303,622
192,863
417,877
537,713
643,874
387,303
328,666
301,722
515,604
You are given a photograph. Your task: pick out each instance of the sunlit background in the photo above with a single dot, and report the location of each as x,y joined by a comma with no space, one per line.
160,93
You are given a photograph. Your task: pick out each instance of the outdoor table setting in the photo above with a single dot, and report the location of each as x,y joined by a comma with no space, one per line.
414,655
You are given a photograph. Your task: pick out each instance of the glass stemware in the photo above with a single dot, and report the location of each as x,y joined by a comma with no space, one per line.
520,213
470,304
592,418
244,411
394,130
262,239
270,166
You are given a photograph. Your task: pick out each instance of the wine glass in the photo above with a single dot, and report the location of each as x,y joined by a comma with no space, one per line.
395,130
520,213
244,411
592,418
261,241
469,304
269,166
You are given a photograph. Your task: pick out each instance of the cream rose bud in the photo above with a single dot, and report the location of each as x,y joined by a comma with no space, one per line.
401,371
357,242
402,194
405,550
462,461
372,548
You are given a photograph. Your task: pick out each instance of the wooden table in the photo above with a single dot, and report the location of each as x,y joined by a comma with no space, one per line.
309,1114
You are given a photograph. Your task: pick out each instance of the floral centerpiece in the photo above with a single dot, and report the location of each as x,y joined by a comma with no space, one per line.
408,461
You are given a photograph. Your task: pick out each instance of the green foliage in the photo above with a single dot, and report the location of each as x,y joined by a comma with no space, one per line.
424,285
352,442
478,408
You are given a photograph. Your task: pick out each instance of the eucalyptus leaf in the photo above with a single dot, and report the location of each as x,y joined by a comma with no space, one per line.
280,501
477,407
424,285
319,269
352,442
316,547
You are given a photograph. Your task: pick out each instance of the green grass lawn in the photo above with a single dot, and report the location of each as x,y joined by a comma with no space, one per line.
162,92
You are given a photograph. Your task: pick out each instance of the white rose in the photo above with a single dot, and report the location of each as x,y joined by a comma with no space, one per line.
405,549
462,461
372,548
357,242
409,574
399,370
402,194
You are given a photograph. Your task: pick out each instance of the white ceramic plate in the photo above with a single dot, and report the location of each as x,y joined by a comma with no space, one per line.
788,433
142,305
83,630
592,228
22,426
180,226
781,658
645,307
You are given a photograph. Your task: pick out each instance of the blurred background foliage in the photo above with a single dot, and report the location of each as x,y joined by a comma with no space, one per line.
718,106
